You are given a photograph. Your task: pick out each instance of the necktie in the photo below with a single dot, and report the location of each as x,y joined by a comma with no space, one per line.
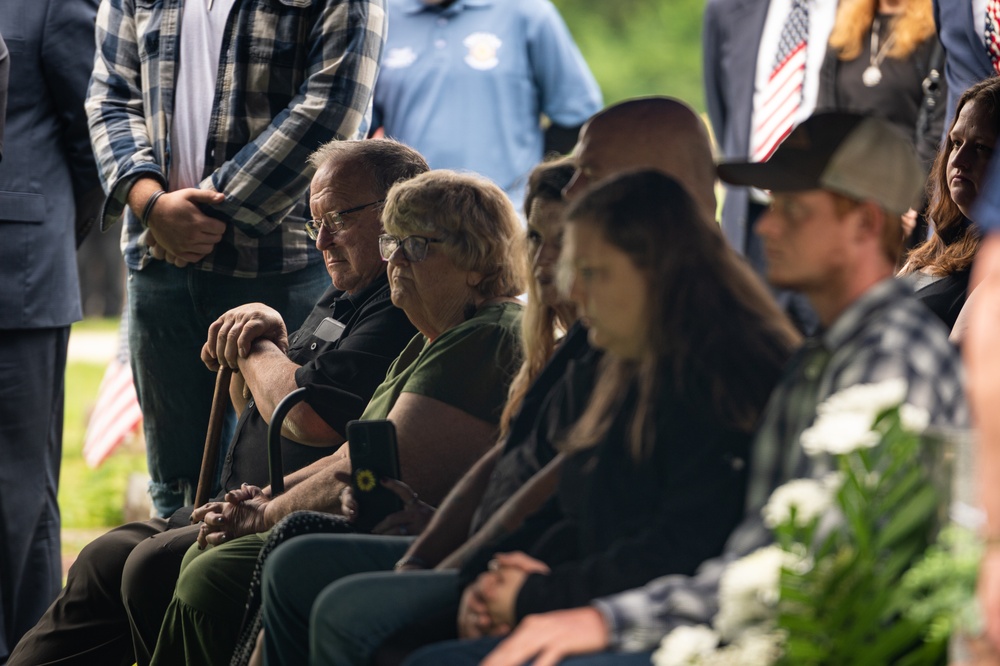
783,93
993,32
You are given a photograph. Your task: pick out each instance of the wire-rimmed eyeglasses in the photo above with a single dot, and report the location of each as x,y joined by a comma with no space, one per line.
414,247
333,220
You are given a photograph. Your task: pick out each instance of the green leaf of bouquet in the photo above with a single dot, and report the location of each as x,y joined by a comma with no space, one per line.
891,641
810,630
902,487
799,651
909,517
931,652
900,559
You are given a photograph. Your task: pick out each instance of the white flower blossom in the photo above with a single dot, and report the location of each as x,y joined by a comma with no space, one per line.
844,421
871,399
685,646
755,647
914,419
809,497
748,591
839,434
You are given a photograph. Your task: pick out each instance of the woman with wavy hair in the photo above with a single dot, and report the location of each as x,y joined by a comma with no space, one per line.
547,314
940,266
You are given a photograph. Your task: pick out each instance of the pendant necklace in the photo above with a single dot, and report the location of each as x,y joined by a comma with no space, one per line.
872,75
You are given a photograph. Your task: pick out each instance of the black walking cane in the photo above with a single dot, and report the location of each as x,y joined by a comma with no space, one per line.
274,438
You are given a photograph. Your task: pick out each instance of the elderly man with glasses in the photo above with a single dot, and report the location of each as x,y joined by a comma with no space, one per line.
340,355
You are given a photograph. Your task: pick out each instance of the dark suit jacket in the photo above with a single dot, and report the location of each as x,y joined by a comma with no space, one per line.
4,73
966,60
47,161
730,41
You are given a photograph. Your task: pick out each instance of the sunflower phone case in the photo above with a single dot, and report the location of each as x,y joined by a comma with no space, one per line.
373,456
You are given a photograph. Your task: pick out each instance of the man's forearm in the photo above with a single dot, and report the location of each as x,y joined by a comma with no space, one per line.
236,393
312,488
270,376
140,192
982,357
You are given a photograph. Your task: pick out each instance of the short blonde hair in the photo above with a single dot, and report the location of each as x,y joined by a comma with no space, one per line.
473,216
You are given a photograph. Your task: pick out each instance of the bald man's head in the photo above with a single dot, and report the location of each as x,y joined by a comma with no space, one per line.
647,133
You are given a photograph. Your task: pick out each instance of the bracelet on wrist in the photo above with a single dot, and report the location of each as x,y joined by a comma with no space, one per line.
411,560
148,208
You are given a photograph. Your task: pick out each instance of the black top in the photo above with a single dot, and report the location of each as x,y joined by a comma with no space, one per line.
945,297
554,400
341,375
898,96
626,522
617,524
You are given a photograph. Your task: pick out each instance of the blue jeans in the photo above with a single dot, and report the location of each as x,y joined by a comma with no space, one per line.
471,652
298,571
170,310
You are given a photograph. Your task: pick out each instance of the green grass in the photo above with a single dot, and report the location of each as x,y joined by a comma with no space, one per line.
91,498
97,325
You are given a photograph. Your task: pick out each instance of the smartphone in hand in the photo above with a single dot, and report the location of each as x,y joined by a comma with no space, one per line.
374,455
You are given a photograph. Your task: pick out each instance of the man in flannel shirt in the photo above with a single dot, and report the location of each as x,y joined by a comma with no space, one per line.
833,232
202,115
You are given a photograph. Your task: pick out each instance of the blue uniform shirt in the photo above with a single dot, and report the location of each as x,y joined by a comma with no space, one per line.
466,85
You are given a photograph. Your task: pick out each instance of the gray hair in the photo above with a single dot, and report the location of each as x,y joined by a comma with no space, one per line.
386,161
482,230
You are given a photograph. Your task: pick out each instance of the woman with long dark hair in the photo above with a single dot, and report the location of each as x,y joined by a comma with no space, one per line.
654,479
940,266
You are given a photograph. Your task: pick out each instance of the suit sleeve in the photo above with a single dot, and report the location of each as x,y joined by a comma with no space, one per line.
4,74
714,98
67,59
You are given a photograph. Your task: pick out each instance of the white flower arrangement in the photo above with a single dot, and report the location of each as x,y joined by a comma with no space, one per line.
835,595
800,501
845,421
748,591
693,646
686,645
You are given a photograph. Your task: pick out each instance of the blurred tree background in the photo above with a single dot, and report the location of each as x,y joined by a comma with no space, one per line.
638,47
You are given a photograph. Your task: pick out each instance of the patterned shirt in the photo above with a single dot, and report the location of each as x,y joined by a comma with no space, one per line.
293,74
885,334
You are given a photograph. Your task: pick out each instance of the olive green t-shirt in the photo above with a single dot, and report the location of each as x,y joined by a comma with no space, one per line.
469,366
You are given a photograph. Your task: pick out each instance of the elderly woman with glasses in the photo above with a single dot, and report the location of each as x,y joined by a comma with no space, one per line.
455,265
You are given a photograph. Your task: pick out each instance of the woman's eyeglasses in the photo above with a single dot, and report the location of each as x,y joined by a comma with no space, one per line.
333,221
414,247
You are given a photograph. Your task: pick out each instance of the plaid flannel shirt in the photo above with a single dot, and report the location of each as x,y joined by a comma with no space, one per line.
885,334
293,74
